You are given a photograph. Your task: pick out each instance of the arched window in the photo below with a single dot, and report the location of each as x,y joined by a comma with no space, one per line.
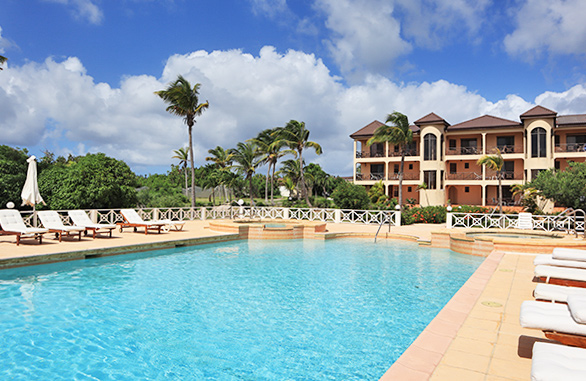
430,147
538,142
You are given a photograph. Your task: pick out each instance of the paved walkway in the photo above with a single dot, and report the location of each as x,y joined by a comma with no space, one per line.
476,337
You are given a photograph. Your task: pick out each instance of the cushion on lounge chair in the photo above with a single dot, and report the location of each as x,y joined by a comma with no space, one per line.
556,293
80,218
133,218
548,259
552,362
51,220
560,272
11,221
577,307
569,254
549,317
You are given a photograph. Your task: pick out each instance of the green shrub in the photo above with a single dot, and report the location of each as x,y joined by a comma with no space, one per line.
350,196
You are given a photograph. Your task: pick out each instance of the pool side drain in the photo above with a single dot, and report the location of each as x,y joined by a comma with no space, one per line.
491,304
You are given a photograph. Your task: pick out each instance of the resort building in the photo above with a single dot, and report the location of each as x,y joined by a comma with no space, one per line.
444,156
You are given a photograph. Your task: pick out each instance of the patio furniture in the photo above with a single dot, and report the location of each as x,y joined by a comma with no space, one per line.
549,260
51,220
11,223
555,320
564,253
132,219
563,276
552,362
80,218
555,293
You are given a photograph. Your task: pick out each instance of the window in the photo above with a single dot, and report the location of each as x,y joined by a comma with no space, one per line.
410,166
441,179
508,170
429,177
535,172
538,142
430,147
557,165
466,189
377,150
506,144
469,146
377,172
575,142
452,144
396,169
466,165
409,189
453,168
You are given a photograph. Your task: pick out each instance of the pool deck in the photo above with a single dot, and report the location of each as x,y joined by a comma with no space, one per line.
476,336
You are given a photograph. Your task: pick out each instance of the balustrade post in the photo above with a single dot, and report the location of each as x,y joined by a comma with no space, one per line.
397,218
337,216
449,220
285,213
94,216
155,214
203,213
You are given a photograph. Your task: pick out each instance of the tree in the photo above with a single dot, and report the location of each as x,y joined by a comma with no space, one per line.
183,101
13,167
290,169
2,60
397,133
183,155
296,136
496,163
566,188
320,178
222,160
350,196
423,187
93,181
245,160
271,150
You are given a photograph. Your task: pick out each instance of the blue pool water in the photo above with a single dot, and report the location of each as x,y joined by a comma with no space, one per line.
246,310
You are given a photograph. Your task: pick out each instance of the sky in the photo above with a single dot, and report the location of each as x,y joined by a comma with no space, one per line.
81,74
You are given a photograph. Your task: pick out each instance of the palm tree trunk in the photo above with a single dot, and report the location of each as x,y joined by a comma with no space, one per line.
273,184
267,184
250,191
303,186
500,196
185,173
190,127
401,178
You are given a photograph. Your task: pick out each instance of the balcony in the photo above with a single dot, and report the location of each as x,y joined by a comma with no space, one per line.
367,154
508,149
464,151
505,175
376,176
406,176
464,176
571,147
409,152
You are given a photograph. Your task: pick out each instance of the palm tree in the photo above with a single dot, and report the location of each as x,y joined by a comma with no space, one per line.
183,101
423,187
271,151
296,136
290,169
183,155
399,134
495,163
2,60
246,159
222,160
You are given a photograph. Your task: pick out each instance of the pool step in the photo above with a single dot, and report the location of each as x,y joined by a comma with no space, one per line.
423,242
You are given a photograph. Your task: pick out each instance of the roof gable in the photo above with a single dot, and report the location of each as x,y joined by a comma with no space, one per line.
485,121
367,130
431,118
538,111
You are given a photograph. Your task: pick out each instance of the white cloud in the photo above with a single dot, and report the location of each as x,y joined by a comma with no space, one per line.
58,106
83,10
548,26
269,8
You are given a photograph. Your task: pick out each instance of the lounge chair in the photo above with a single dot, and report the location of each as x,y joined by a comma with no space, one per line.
80,218
556,320
51,220
555,293
132,219
568,254
557,362
563,276
550,260
11,223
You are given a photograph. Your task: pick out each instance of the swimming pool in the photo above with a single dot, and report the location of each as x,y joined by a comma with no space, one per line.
301,309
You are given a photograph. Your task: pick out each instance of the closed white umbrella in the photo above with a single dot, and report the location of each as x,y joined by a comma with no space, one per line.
30,192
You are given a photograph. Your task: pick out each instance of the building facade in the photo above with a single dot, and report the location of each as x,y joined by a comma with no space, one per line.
443,156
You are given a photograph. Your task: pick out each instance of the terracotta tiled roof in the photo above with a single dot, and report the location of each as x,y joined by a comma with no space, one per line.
367,130
486,121
565,120
370,128
538,111
431,118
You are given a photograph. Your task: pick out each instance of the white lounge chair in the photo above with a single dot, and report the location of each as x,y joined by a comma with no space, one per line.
550,260
552,362
563,276
555,320
11,223
569,254
80,218
51,220
132,219
555,293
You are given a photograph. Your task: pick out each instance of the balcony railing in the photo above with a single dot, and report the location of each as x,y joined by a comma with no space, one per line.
409,152
464,176
367,154
370,176
571,147
464,151
508,149
406,176
505,175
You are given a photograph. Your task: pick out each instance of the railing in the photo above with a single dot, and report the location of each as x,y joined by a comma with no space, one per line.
377,176
504,175
508,149
112,216
464,151
566,223
464,176
406,176
367,154
409,152
570,147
